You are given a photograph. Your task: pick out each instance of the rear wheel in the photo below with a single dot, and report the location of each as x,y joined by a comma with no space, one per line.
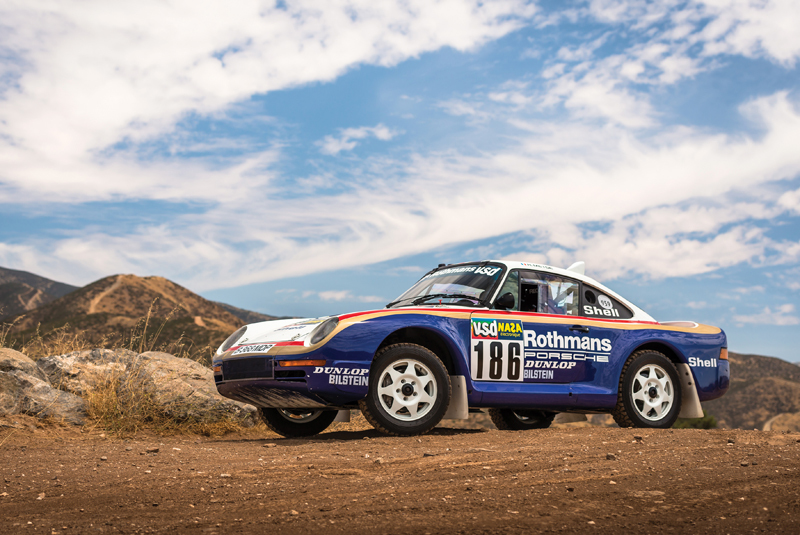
292,423
409,391
649,392
519,420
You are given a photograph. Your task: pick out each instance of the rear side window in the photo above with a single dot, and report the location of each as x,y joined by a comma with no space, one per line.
597,304
548,294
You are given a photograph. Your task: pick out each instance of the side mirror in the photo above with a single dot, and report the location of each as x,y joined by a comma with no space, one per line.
505,301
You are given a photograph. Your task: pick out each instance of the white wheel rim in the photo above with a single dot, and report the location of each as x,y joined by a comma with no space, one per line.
407,390
299,417
652,392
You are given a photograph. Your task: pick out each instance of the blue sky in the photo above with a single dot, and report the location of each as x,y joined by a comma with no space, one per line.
308,158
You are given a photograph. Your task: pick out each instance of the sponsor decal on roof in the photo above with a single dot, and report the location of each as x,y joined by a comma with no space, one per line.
489,271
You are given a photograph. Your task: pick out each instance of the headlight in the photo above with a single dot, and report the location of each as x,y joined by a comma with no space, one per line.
323,329
232,339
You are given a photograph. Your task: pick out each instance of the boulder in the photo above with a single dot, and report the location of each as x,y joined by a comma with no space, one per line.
184,388
11,360
23,393
80,371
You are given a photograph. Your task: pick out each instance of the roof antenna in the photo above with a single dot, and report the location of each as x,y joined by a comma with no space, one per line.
578,267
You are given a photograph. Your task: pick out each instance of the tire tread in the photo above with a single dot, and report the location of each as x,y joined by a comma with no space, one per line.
365,410
619,413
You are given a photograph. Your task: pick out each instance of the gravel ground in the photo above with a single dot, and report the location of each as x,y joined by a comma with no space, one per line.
352,480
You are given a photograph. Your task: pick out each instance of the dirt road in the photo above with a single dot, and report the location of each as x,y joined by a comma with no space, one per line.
573,480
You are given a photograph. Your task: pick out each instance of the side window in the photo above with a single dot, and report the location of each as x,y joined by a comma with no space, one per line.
511,285
597,304
548,294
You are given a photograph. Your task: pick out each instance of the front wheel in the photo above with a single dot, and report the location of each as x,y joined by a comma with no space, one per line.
409,391
649,392
292,423
522,419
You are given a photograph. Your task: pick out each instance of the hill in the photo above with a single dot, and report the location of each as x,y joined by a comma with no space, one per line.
21,291
248,316
151,312
761,389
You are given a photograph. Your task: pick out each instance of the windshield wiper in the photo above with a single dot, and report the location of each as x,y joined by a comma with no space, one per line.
390,305
424,298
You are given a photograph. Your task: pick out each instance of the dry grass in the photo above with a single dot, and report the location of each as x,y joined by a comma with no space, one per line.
140,338
121,404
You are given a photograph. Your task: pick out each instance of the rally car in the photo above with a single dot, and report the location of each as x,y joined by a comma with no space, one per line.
524,341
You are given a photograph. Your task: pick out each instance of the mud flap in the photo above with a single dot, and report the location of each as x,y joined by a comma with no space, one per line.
459,406
690,401
342,416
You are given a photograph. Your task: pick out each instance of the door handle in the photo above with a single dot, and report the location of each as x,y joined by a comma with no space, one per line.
580,328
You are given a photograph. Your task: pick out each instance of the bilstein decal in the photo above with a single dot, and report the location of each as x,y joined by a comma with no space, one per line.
344,376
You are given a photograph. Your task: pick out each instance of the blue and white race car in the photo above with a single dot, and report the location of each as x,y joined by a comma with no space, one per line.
523,340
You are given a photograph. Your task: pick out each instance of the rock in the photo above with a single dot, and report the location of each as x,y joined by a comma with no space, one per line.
611,457
644,494
152,450
184,388
27,394
80,372
269,445
11,360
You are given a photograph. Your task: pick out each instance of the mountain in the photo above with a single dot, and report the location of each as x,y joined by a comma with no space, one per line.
21,291
248,316
762,388
129,310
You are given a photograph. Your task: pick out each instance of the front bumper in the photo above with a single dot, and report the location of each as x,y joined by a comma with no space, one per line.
261,381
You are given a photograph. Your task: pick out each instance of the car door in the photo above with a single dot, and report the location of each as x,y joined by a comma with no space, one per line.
541,340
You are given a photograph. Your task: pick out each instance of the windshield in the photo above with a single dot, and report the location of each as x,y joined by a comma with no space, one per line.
467,285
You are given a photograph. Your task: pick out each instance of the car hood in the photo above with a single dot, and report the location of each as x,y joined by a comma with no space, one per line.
291,330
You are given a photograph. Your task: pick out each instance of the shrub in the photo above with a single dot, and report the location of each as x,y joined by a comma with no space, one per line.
706,422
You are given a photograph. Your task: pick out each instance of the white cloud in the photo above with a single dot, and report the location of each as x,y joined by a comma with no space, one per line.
89,75
697,305
333,145
670,41
347,295
749,289
460,107
655,196
783,315
662,204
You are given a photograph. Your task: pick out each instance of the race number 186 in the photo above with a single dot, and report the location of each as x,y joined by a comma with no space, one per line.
496,360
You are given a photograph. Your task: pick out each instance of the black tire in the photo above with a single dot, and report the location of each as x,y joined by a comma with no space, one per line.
398,414
647,373
292,423
521,419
